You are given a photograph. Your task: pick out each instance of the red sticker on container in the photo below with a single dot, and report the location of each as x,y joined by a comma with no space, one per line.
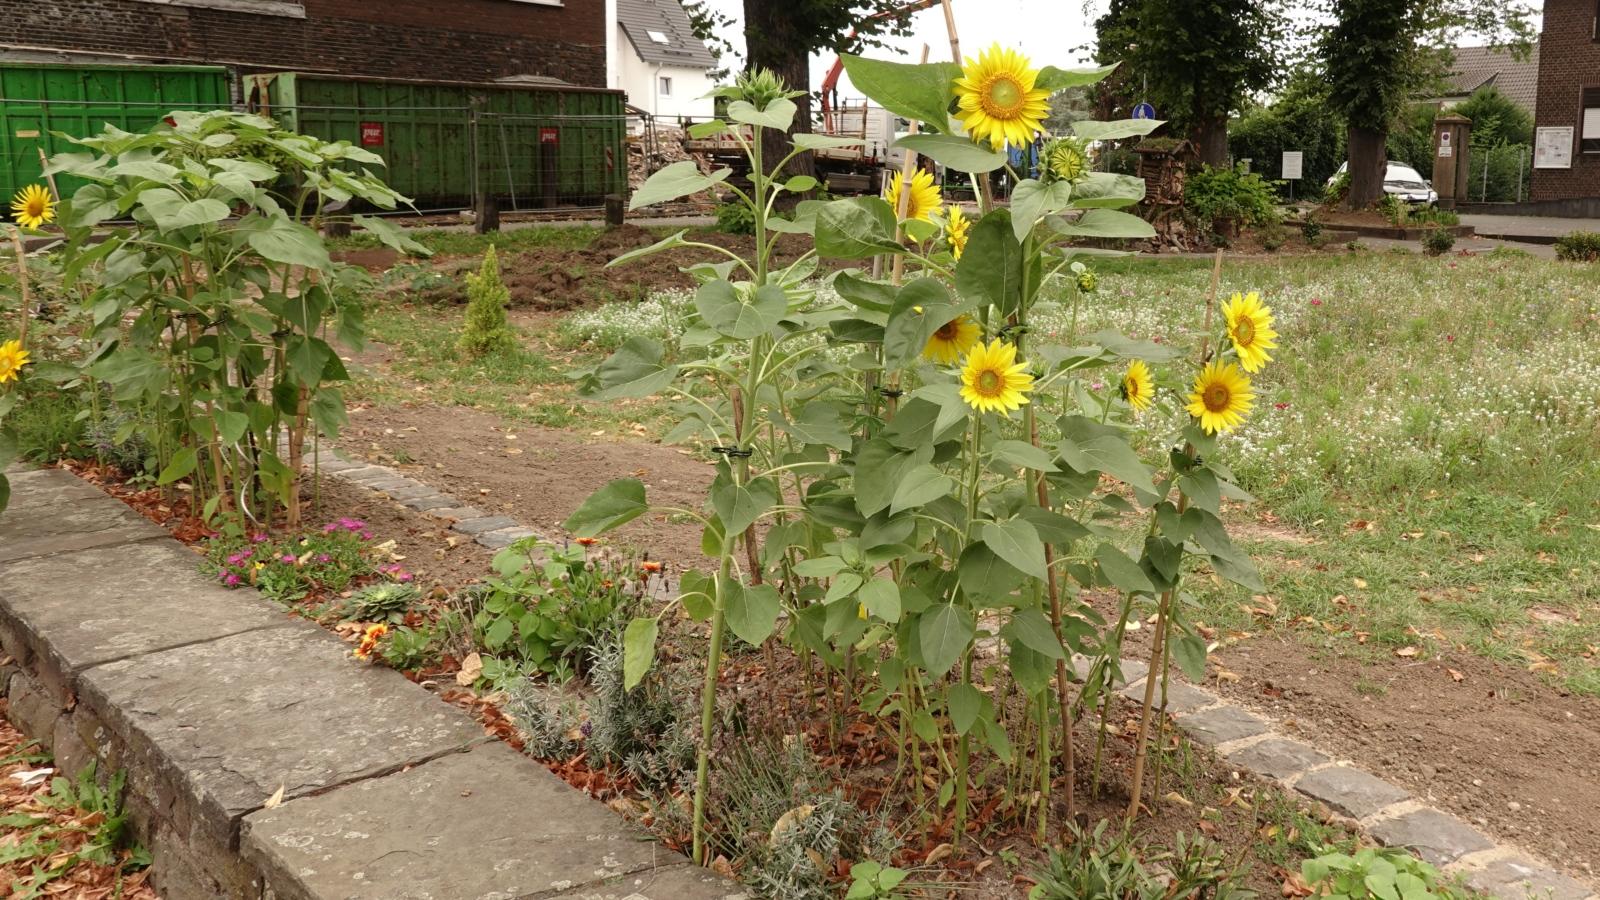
372,134
549,135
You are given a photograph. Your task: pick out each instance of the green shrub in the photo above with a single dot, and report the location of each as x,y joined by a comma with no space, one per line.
1311,230
386,601
1371,874
1579,246
486,330
1226,193
735,218
1438,241
1273,236
1111,864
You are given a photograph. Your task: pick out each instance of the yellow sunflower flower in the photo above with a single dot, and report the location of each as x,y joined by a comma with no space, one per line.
925,199
1250,330
953,338
957,228
12,359
997,100
993,381
33,206
1221,397
1138,388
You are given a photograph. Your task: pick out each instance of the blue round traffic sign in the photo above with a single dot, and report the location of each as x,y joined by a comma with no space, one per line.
1144,111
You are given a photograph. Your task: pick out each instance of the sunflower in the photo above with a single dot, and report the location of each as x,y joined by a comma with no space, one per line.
1250,330
953,338
1066,159
993,381
12,359
1221,397
32,207
997,100
925,199
956,229
1137,386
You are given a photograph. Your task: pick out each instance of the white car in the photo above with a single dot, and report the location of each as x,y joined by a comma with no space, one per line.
1402,181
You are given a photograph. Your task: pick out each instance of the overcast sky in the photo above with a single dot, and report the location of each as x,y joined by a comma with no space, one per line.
1050,31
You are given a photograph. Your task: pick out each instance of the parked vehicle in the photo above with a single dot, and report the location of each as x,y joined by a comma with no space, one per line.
1402,181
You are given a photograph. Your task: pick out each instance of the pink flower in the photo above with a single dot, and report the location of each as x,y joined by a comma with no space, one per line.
366,535
324,558
1315,302
1449,339
231,580
240,557
258,539
287,559
1097,385
1280,406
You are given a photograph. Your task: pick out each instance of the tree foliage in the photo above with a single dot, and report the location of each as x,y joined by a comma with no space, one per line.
1298,120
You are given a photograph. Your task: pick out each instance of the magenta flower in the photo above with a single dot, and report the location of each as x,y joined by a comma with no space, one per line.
240,557
1315,302
324,558
231,580
258,539
287,558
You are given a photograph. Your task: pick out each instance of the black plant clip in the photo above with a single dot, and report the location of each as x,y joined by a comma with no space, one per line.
733,452
892,393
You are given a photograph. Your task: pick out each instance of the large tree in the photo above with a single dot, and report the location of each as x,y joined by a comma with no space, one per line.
1380,54
1197,60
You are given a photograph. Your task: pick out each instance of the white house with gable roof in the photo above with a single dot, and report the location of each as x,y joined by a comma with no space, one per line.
652,54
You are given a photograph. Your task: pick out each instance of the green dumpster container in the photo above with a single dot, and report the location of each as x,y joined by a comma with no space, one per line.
532,146
37,99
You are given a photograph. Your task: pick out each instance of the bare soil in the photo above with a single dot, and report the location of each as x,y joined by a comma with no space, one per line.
1488,741
422,544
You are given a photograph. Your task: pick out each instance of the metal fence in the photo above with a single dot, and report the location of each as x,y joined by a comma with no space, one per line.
1499,174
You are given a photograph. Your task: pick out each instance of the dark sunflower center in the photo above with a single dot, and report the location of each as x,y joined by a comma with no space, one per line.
1216,397
1130,387
1005,95
1245,332
989,382
948,331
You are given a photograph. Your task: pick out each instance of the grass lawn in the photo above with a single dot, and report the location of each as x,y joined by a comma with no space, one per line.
1424,445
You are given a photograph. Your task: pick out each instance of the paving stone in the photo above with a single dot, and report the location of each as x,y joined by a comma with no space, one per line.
458,512
489,823
219,726
1132,669
1436,837
394,485
428,502
685,881
54,511
1221,724
481,525
504,537
369,473
1518,878
1182,697
1276,758
74,616
1350,791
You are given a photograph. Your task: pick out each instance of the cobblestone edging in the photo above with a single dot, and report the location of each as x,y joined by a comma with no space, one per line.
115,649
1385,812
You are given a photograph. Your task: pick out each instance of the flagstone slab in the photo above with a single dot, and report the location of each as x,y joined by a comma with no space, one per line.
216,728
80,609
486,823
54,511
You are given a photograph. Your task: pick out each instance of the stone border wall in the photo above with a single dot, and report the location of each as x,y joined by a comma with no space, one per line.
115,649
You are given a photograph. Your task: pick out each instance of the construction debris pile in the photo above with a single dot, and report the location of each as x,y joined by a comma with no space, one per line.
655,147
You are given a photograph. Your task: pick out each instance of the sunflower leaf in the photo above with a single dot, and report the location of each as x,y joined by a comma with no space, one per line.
921,92
1053,79
1090,130
958,153
990,269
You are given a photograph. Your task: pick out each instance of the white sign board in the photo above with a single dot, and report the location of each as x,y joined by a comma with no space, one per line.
1445,151
1293,163
1552,148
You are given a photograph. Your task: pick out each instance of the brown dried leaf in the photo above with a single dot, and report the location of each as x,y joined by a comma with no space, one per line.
471,668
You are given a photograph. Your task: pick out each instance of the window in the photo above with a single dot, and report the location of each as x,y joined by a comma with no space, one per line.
659,37
665,89
1589,125
291,9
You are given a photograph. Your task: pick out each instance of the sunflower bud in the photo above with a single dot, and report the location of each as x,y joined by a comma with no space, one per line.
1067,159
1088,281
761,86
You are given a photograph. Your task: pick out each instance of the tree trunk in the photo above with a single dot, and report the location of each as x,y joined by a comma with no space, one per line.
1368,161
771,43
1211,140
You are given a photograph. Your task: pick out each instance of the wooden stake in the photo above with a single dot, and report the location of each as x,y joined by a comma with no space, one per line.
981,182
49,178
22,286
898,268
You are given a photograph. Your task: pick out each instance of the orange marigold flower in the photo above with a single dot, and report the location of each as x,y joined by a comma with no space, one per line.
650,566
588,542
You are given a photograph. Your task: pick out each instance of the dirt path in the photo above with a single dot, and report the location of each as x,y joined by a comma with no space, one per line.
1496,746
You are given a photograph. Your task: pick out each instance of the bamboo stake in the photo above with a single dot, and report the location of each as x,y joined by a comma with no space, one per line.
22,286
985,191
49,177
903,206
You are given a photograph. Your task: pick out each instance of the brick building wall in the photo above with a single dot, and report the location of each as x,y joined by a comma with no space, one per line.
1569,63
453,40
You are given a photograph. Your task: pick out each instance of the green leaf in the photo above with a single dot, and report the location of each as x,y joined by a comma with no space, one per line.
799,184
873,296
5,492
1015,541
1115,130
1053,79
740,505
614,505
638,650
635,370
880,467
707,129
1203,490
856,228
1107,189
231,425
779,113
965,703
1088,446
695,592
183,463
805,140
1190,653
1122,571
1023,454
991,268
1033,630
920,485
661,246
752,611
1128,348
944,633
1033,200
908,330
392,235
674,181
1105,223
1053,527
881,597
985,575
921,92
724,308
820,567
283,241
954,151
172,211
